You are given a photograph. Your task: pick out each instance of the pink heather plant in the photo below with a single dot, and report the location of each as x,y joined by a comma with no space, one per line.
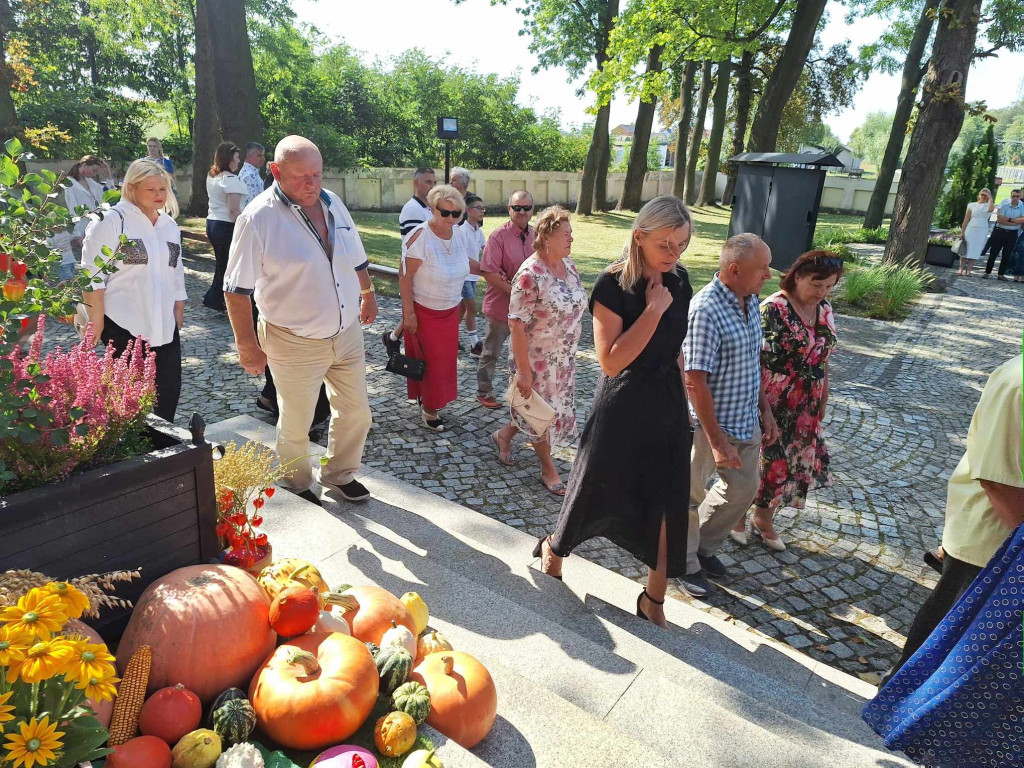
88,403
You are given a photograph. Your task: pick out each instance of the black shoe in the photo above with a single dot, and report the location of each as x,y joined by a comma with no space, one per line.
477,349
353,490
215,307
695,584
391,346
266,405
640,597
712,565
310,496
1002,277
933,561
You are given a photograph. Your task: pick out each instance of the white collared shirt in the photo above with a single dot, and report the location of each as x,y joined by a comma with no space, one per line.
249,175
150,276
276,257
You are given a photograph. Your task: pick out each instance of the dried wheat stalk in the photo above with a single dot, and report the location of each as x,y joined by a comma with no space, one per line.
14,584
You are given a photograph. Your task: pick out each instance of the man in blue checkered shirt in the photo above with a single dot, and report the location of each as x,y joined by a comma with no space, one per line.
722,351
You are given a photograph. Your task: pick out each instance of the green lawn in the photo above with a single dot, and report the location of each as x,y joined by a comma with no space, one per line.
597,240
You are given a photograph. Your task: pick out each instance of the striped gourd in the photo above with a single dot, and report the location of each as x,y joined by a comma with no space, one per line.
394,663
413,699
131,693
234,720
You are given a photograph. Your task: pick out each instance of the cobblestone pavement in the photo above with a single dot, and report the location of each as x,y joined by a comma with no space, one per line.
851,581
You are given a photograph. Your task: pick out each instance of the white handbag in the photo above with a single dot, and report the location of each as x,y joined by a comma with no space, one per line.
534,410
958,247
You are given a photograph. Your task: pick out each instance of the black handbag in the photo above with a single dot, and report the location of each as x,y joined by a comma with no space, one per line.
409,367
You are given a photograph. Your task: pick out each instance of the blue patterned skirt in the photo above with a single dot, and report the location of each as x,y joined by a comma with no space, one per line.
959,701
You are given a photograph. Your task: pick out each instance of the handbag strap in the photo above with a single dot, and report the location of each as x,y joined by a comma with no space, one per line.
413,346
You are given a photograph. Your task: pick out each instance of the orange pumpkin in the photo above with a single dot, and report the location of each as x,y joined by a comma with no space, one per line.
463,701
315,690
208,627
170,713
374,610
394,734
102,709
141,752
294,611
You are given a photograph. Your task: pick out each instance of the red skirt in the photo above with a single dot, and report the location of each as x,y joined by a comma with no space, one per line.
437,343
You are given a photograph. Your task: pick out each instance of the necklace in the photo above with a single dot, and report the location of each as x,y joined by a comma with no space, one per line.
446,244
809,318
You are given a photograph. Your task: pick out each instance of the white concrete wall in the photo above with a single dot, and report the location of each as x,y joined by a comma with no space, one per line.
387,189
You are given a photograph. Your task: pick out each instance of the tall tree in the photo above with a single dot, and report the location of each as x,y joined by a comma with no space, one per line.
633,187
206,125
8,118
721,104
697,134
938,122
764,131
683,132
744,98
238,103
914,68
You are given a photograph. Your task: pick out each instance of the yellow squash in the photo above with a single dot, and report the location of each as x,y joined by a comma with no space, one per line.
292,572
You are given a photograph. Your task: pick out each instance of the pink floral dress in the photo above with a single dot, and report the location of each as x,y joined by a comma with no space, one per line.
793,358
552,309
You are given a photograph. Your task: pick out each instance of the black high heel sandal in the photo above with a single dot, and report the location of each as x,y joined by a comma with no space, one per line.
640,597
538,551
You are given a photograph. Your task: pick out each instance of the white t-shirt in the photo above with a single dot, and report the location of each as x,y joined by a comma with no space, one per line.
217,189
150,276
476,241
444,267
414,213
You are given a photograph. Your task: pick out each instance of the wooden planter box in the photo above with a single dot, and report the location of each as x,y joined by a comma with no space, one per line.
940,256
155,512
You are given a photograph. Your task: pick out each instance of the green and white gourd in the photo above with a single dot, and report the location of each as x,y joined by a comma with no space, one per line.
413,699
394,663
232,717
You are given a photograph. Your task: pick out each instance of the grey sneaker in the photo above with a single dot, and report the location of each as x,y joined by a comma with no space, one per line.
694,584
712,566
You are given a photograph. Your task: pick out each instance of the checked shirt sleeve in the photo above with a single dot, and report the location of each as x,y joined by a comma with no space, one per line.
703,340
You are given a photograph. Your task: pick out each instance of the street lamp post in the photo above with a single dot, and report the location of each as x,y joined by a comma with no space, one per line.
447,129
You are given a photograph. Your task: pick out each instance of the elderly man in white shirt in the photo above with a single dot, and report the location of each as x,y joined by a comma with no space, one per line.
297,253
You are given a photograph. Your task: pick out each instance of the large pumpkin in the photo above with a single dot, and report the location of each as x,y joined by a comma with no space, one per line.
315,690
463,701
102,709
374,610
208,627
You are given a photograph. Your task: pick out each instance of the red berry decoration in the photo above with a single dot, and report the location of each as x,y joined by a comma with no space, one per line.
269,492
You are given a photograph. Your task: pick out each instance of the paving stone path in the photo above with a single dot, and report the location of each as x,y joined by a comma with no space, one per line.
852,578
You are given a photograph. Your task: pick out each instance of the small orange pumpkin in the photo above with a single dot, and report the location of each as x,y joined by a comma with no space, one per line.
315,690
394,734
141,752
370,610
463,700
170,713
294,611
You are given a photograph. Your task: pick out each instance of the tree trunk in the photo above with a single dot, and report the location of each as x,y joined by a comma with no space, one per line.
9,127
604,153
744,94
939,120
721,104
913,71
633,188
238,103
697,134
205,128
598,150
764,132
601,183
683,134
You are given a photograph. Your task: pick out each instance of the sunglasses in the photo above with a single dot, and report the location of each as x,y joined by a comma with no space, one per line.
828,262
445,214
521,208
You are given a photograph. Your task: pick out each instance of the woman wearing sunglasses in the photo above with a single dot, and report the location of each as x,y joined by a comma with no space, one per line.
435,264
799,335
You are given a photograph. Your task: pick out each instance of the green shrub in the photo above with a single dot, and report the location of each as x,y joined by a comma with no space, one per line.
885,291
857,285
829,239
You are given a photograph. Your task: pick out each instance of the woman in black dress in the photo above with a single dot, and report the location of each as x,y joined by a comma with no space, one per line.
631,479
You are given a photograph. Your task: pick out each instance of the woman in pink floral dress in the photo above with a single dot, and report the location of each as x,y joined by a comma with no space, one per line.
799,335
545,319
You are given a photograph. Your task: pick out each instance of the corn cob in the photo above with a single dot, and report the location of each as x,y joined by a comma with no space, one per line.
124,722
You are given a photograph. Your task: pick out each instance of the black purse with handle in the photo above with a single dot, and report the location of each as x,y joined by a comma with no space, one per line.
409,367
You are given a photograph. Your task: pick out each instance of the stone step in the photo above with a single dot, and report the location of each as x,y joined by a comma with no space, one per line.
574,661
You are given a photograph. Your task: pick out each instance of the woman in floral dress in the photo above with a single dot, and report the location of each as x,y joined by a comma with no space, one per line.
545,318
799,335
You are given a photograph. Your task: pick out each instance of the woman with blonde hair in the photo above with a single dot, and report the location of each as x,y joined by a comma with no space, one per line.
155,152
435,264
975,230
545,319
631,477
144,298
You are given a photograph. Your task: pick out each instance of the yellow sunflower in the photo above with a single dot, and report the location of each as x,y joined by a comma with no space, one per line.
13,644
99,688
72,600
88,660
38,612
36,744
5,708
42,661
